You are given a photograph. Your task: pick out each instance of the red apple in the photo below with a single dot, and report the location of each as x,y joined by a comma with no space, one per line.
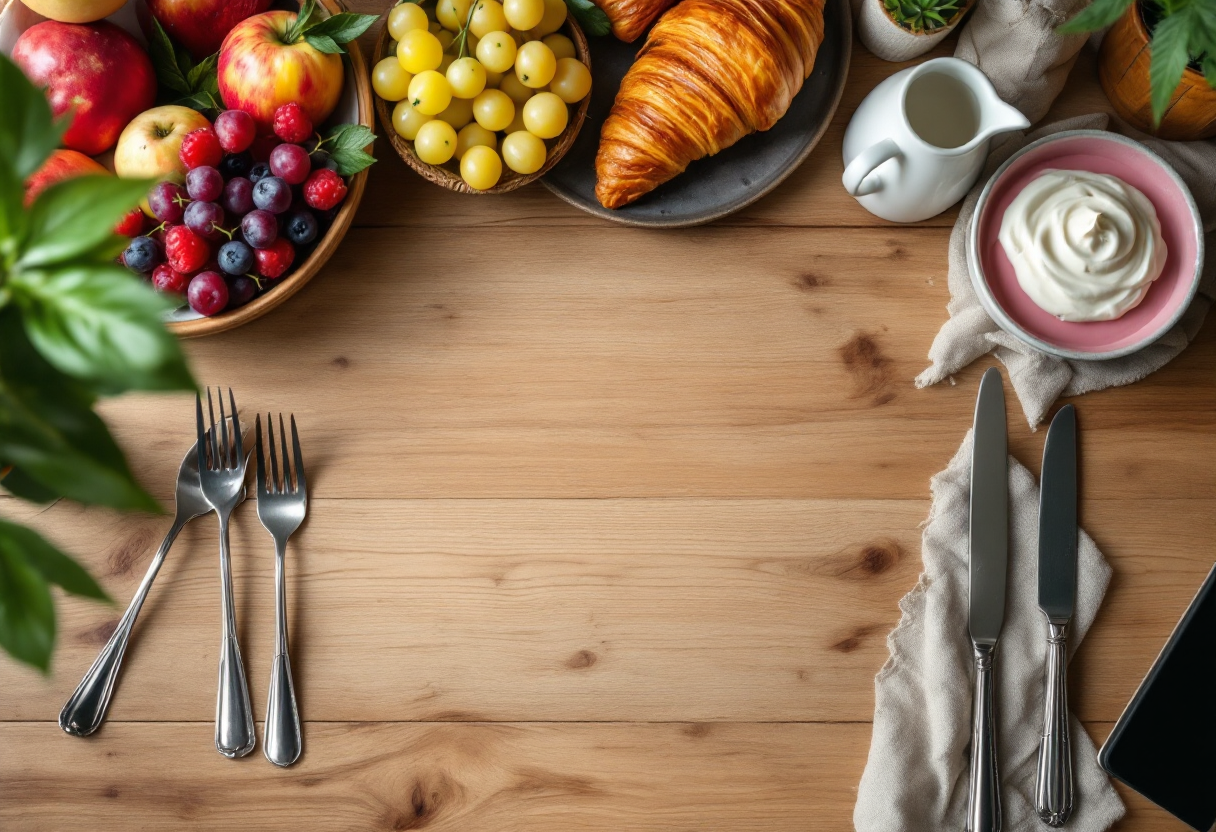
94,69
198,25
258,71
60,165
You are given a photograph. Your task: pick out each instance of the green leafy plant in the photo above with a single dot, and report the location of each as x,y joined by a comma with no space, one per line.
180,79
1184,33
922,16
344,143
590,17
74,326
330,34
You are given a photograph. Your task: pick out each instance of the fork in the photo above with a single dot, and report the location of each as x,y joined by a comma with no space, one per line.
282,504
221,465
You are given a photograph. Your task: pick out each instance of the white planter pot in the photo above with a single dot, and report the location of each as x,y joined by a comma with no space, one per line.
890,41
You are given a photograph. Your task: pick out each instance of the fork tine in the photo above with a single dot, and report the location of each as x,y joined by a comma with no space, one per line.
225,446
236,431
301,486
215,435
201,445
274,460
287,484
257,438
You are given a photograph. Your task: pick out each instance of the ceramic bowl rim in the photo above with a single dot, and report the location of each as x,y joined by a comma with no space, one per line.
988,301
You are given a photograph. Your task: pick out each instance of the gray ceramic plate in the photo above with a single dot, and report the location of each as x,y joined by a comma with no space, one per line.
722,184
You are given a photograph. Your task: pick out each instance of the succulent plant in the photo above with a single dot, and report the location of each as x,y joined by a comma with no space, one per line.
921,16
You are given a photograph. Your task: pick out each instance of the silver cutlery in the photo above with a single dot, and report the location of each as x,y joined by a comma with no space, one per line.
989,561
282,504
221,464
85,711
1057,593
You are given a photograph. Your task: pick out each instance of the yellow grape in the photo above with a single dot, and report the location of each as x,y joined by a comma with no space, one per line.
473,135
534,64
494,109
571,81
435,27
458,113
545,115
523,14
435,142
407,120
517,123
515,89
488,17
555,16
561,45
496,51
405,17
523,152
493,79
480,167
453,13
471,44
430,93
419,51
389,80
467,77
519,37
448,60
445,38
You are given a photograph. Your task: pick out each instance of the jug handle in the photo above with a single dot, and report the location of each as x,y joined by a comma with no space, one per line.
865,164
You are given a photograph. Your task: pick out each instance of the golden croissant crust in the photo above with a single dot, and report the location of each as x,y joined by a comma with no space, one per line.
711,72
630,18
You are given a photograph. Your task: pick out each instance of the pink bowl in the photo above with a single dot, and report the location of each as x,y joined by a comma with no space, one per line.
1099,152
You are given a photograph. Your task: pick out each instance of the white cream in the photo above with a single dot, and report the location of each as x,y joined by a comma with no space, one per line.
1085,246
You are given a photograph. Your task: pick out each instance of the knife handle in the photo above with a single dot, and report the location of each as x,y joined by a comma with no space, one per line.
1053,784
984,796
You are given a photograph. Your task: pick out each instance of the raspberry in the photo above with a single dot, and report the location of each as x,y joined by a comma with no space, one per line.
324,189
273,261
201,147
165,279
132,223
185,251
291,123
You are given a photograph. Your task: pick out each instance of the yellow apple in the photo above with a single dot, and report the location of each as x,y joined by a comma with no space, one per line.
75,11
149,144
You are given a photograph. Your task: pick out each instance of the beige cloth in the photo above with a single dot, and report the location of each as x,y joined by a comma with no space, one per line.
1039,379
917,774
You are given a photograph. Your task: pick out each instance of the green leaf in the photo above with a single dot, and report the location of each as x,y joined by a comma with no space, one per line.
296,29
1168,52
1098,15
347,148
166,60
203,72
102,325
323,43
590,17
27,616
49,431
20,484
201,101
28,132
343,27
1209,68
77,215
54,566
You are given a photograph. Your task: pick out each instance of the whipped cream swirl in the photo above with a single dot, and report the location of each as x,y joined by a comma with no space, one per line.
1084,246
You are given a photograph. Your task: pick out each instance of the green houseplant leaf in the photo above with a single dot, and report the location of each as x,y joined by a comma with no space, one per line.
73,217
1169,58
1097,15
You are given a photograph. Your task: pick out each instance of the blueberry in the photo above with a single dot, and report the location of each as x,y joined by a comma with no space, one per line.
143,254
235,257
320,159
260,228
236,164
259,171
301,228
272,194
240,291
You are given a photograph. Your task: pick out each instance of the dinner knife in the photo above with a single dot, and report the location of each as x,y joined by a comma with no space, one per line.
1057,592
989,557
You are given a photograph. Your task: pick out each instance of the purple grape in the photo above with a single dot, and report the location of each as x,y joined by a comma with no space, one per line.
290,162
207,293
241,290
205,219
260,228
204,183
272,194
167,201
238,197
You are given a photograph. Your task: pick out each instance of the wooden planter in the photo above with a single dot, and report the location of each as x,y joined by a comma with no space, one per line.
1123,70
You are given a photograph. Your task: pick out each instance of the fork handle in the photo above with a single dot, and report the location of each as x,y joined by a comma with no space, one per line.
234,735
283,741
85,711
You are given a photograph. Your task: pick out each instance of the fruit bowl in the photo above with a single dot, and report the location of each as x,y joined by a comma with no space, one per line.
510,180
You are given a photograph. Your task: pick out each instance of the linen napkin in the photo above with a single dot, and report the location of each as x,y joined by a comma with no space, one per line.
917,774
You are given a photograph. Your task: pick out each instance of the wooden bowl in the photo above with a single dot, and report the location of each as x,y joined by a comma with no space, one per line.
283,288
510,179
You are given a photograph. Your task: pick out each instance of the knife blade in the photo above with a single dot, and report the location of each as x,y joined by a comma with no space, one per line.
989,557
1057,595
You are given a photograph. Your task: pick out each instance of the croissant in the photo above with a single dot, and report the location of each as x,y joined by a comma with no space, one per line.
630,18
710,73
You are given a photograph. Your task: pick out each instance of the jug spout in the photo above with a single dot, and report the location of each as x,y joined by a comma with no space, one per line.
998,117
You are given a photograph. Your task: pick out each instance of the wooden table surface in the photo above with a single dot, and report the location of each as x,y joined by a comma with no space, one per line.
607,528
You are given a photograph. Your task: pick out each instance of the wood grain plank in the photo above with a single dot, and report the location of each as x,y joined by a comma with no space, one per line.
467,777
